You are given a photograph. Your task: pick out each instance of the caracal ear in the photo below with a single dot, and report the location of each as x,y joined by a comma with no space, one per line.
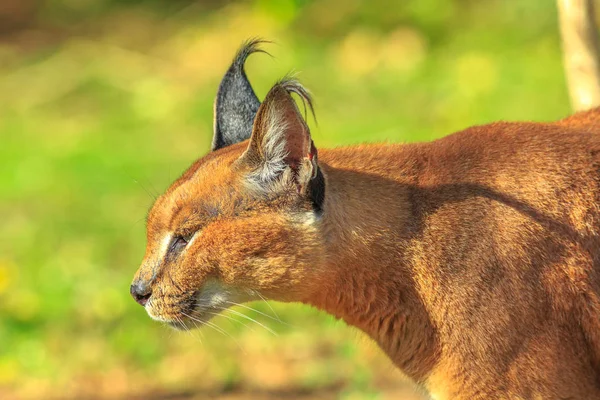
236,103
281,154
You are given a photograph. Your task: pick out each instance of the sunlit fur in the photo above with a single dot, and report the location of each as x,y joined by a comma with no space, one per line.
473,260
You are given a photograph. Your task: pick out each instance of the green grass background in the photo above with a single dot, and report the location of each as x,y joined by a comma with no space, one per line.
103,103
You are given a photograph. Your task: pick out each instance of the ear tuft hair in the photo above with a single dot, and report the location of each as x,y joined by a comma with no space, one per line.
292,85
248,47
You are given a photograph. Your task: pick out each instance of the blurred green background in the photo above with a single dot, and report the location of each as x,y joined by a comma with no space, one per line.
104,102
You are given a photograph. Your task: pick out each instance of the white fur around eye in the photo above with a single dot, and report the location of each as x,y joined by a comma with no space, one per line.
164,246
193,239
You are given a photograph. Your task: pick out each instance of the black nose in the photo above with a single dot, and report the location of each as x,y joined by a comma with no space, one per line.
140,292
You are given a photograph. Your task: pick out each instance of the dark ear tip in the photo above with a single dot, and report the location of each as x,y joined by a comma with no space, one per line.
248,47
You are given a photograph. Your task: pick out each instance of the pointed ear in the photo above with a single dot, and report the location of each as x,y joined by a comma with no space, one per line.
236,104
281,150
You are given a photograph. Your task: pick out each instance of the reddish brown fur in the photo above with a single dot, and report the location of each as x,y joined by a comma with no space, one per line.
472,260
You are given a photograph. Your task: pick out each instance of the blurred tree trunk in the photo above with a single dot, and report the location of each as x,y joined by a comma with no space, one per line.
17,14
580,51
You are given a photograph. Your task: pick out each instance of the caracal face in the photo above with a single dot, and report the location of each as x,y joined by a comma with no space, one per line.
212,243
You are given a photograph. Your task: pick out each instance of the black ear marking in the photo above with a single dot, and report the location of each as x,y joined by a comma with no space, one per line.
316,191
236,103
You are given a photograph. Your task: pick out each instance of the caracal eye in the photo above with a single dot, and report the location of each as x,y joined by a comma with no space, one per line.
180,241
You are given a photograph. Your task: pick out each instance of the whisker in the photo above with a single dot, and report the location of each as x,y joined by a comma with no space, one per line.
202,304
155,192
180,323
257,311
251,319
230,318
217,328
135,223
169,331
268,304
190,331
151,195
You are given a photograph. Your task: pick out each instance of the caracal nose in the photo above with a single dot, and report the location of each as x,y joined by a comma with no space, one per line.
140,292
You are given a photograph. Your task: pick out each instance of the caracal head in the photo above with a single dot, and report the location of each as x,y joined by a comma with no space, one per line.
243,222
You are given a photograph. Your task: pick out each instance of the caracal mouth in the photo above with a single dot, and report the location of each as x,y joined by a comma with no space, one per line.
200,308
194,318
186,319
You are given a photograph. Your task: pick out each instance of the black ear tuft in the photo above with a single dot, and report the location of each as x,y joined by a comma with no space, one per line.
236,104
